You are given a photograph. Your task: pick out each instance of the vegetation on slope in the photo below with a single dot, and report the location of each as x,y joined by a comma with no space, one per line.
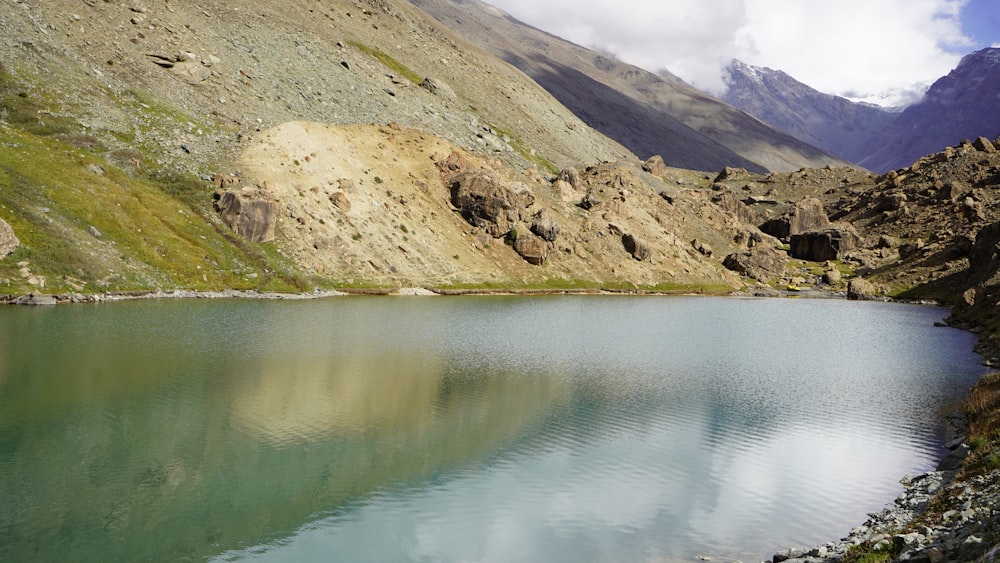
87,224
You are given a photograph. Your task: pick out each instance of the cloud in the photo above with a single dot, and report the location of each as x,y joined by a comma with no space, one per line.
888,49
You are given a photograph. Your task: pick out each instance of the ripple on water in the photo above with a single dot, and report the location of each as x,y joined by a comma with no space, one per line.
557,429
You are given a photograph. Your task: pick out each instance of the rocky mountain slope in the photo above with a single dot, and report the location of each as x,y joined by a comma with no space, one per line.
125,129
648,113
961,105
836,125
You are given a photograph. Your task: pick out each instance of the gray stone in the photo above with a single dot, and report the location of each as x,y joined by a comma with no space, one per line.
35,299
8,241
543,225
438,88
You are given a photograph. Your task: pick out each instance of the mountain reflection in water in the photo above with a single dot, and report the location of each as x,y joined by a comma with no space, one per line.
462,429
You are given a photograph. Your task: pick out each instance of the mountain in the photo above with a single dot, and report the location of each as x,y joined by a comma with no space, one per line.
292,145
648,113
962,105
834,124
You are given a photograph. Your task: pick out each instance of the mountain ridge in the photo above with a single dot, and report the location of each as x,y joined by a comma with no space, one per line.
652,115
833,123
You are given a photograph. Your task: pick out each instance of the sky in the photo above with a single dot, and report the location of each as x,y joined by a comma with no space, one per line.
881,51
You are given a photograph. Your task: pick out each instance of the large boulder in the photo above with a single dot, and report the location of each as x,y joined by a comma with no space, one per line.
488,203
532,248
439,88
251,212
571,176
8,242
806,215
731,173
826,244
655,165
860,289
728,201
543,225
636,248
761,263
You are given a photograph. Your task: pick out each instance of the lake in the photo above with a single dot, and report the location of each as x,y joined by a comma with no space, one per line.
412,429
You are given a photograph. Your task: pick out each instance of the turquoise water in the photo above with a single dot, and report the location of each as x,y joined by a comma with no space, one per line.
462,429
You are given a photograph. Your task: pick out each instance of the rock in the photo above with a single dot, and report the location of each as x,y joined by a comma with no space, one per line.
339,199
728,201
954,458
751,237
251,212
487,203
860,289
703,248
806,215
571,176
760,263
885,241
827,244
191,72
543,225
94,232
532,248
655,165
35,299
730,173
972,209
438,88
637,249
983,144
591,200
8,241
787,554
454,163
832,276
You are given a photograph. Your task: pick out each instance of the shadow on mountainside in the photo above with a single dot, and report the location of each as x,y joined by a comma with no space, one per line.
642,129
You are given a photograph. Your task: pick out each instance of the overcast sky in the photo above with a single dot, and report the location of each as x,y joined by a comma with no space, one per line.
883,51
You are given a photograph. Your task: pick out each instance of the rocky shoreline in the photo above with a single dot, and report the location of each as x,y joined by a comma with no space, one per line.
938,518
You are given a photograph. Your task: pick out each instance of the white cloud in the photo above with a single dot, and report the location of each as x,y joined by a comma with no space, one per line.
868,48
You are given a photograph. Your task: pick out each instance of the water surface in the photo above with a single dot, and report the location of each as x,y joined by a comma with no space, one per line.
463,429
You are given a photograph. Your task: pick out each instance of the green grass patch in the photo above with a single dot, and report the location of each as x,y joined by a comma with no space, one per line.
866,554
982,407
23,109
389,62
113,232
